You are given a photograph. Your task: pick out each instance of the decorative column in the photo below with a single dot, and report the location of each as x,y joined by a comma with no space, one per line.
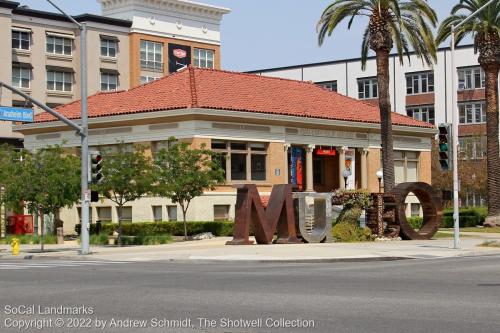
286,147
364,168
341,151
309,168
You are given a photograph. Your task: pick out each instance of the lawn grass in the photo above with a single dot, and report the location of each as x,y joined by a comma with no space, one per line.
476,229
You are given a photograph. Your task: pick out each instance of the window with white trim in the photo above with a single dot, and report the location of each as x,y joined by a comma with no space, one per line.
204,58
21,76
472,148
406,166
109,81
419,83
147,79
422,113
330,85
471,78
172,213
59,45
221,212
59,81
472,113
108,48
367,88
21,40
242,161
151,55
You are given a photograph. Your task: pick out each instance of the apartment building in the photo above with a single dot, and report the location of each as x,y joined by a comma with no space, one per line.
417,90
133,42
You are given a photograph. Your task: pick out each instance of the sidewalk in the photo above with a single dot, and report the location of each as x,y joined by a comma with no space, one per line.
216,250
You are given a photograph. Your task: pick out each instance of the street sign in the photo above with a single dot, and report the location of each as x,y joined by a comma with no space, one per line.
16,114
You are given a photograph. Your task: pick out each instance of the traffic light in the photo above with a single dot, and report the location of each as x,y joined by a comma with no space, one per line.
445,147
95,169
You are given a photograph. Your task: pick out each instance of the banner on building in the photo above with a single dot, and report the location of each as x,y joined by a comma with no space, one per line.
297,168
179,56
350,165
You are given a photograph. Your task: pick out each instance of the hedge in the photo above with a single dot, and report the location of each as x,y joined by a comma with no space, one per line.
165,228
469,217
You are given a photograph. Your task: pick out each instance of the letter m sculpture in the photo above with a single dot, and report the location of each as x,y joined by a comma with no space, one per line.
279,216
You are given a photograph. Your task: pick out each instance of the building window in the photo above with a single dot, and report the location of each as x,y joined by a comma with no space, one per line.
20,40
419,83
242,161
331,85
172,213
126,214
79,209
59,81
151,55
21,76
472,148
367,88
406,166
472,113
109,82
147,79
415,209
204,58
108,48
470,78
157,213
221,212
422,113
59,45
104,214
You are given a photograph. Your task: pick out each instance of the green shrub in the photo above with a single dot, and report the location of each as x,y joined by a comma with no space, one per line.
101,239
415,222
349,215
168,228
146,240
469,217
348,232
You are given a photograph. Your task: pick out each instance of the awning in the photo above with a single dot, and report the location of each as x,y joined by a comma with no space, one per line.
110,71
22,64
58,34
21,29
60,69
113,38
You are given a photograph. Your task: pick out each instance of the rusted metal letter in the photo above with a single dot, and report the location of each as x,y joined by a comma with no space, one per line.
279,216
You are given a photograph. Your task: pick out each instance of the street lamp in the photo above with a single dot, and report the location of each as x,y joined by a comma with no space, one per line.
84,131
455,119
346,173
380,175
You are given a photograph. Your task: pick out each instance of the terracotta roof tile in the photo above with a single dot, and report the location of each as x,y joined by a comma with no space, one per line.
216,89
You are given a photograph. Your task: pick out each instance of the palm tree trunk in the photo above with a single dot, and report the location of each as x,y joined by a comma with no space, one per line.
385,117
491,72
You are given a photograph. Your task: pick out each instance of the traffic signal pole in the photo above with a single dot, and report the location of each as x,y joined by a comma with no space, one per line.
85,225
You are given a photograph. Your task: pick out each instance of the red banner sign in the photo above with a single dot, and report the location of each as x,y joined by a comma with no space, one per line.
326,152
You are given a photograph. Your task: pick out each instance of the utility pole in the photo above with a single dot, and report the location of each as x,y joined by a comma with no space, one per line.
85,225
455,120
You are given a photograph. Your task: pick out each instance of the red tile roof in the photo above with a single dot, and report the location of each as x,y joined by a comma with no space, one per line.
216,89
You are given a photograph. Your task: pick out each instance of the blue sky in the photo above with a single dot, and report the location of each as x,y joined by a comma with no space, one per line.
261,34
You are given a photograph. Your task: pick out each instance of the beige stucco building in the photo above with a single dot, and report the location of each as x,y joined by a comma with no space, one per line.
269,131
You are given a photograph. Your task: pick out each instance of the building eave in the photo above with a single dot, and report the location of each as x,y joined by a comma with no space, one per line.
364,126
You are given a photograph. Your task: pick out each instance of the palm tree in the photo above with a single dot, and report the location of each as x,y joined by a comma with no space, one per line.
403,23
485,28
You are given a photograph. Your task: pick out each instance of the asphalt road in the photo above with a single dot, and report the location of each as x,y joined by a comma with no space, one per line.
438,295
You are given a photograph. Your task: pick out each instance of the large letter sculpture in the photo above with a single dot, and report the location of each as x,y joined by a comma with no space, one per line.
279,216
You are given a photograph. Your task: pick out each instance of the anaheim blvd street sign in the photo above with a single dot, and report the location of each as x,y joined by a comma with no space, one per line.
16,114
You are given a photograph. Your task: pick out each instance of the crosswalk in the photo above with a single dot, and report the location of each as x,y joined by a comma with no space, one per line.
43,264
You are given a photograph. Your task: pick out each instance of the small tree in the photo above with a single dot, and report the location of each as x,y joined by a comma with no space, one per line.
127,176
185,173
44,181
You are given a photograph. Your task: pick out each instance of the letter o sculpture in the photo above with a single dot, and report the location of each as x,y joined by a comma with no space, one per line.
432,206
